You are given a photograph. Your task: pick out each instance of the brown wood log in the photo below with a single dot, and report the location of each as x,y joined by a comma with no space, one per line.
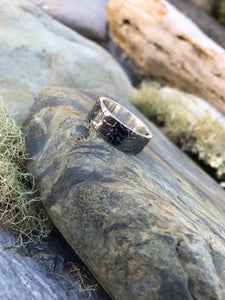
169,46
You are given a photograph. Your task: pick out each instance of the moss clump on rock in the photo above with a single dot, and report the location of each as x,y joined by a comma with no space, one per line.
20,210
199,134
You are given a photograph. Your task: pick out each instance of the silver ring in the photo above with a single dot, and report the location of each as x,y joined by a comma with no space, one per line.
118,126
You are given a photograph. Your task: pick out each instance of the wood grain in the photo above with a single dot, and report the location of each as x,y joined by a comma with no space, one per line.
169,46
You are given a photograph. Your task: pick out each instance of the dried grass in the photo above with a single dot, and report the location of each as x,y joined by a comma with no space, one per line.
80,280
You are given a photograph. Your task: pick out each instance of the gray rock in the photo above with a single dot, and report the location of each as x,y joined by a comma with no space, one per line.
85,16
148,227
38,272
36,51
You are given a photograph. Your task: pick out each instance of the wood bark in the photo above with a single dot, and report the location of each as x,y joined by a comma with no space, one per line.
170,47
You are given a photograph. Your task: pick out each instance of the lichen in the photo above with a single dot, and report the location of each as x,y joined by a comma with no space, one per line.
208,136
20,210
203,136
163,112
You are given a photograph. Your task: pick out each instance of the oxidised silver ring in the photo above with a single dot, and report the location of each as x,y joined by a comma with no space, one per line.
118,126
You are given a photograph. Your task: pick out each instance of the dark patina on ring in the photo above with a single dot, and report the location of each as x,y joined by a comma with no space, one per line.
118,126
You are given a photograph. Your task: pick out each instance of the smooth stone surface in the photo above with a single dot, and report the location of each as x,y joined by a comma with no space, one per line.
37,50
38,273
85,16
148,227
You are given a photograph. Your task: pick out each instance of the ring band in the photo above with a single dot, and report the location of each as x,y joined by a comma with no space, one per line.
118,126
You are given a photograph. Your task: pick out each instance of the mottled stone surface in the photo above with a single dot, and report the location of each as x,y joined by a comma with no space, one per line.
37,50
148,227
85,16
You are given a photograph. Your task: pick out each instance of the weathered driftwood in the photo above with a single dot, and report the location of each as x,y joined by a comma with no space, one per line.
148,227
207,23
169,46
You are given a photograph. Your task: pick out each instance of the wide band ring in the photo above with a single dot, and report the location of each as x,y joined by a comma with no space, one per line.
118,126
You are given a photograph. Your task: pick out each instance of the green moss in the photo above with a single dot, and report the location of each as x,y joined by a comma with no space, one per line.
204,137
222,11
20,210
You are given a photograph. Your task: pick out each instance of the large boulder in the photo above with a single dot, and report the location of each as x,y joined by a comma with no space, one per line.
85,16
36,51
148,227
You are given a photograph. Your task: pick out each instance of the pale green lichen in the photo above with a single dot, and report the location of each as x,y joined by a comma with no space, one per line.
208,136
205,136
163,112
20,210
